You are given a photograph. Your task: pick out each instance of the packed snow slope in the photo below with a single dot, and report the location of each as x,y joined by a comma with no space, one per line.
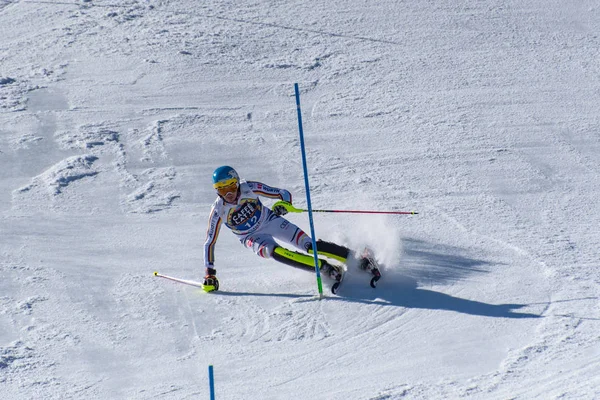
480,115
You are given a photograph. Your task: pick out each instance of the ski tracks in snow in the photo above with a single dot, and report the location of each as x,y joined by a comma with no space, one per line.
267,321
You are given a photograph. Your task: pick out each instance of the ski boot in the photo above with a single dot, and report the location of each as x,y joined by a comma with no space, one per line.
368,263
335,272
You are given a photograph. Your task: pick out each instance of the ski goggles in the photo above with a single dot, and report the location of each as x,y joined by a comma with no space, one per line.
224,189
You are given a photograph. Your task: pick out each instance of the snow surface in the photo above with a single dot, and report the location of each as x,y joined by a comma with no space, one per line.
483,116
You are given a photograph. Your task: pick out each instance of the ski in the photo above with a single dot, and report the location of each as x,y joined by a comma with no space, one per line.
375,278
366,262
206,288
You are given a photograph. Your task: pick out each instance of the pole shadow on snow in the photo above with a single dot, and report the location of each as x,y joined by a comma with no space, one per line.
423,263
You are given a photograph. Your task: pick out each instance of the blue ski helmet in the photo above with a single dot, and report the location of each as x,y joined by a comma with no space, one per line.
225,176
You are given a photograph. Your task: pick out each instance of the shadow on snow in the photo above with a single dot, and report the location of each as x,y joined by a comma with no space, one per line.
421,263
433,264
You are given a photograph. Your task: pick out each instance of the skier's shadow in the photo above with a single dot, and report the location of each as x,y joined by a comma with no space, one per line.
422,264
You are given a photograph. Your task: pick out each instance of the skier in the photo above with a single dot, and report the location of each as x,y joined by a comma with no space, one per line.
238,206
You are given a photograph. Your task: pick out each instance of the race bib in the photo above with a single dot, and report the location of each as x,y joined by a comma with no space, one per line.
245,216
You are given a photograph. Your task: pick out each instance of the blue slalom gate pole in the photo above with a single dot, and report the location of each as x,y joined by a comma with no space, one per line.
211,382
310,217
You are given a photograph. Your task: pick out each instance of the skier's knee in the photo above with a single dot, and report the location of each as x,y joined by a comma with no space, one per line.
262,247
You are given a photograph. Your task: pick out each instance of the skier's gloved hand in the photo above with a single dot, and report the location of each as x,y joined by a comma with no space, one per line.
211,283
280,210
210,280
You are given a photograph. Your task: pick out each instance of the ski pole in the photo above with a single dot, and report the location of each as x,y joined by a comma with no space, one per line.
290,208
187,282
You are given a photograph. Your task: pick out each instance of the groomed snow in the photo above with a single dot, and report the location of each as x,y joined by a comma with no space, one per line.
480,115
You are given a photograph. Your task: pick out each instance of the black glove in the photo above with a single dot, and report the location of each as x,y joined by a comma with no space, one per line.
210,280
280,210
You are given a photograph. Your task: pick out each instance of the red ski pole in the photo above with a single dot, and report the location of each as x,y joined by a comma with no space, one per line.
291,208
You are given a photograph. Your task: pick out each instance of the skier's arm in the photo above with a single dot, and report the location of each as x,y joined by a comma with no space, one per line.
212,233
271,192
